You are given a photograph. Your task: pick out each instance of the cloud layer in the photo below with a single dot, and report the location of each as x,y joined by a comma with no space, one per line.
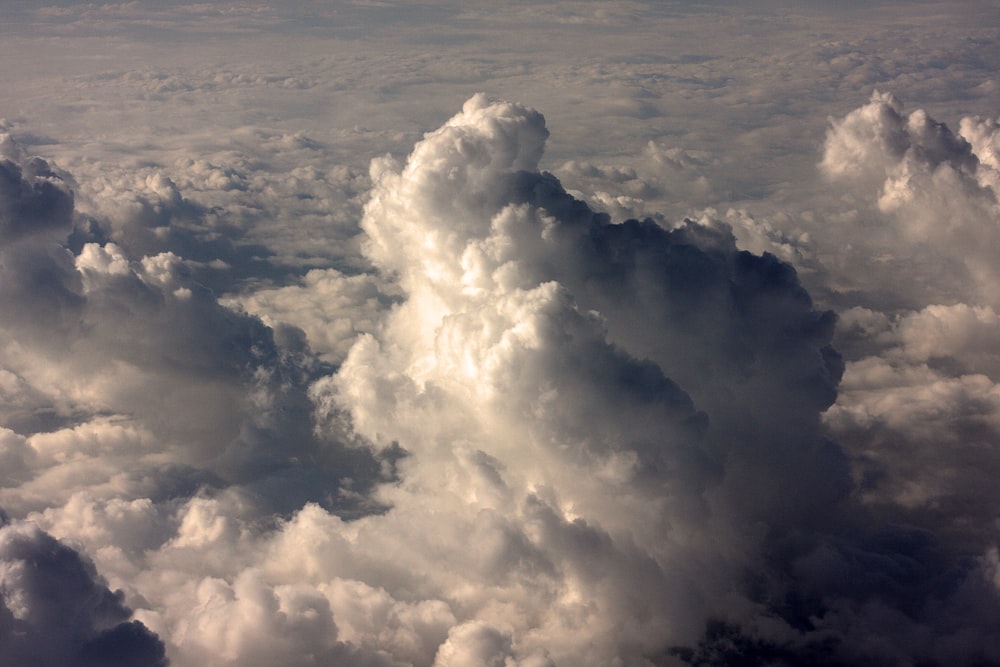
505,422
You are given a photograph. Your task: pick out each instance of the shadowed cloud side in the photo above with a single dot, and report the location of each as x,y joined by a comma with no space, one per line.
55,610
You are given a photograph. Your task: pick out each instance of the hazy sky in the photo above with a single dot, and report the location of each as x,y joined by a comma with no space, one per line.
468,334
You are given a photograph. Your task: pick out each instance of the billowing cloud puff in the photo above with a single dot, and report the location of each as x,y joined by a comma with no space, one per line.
918,407
133,391
984,137
56,611
917,410
102,351
34,200
920,411
542,275
645,399
636,411
932,187
473,644
331,308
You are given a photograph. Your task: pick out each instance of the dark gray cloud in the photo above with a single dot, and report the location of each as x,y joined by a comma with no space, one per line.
56,610
35,200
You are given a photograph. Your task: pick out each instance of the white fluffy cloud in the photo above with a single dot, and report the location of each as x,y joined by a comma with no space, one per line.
918,402
331,308
934,198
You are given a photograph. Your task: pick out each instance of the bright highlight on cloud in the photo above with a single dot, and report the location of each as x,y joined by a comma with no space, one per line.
529,437
936,191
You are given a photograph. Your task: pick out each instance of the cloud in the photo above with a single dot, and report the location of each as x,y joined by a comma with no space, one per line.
917,408
108,349
15,456
35,199
56,610
514,374
688,448
138,397
518,430
251,622
916,411
934,199
667,177
332,309
478,644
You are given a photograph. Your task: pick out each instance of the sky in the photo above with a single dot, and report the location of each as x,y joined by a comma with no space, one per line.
468,334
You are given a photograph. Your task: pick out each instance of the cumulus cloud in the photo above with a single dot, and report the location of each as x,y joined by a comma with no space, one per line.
932,199
533,436
332,309
688,449
138,398
35,199
56,610
917,407
108,348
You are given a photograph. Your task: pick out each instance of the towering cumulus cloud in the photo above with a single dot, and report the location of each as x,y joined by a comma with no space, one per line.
615,453
610,428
